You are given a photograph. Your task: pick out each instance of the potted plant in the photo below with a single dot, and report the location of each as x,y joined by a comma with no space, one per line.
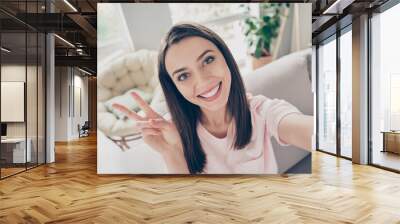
260,31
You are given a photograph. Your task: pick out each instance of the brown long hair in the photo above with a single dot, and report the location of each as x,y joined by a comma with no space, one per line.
185,115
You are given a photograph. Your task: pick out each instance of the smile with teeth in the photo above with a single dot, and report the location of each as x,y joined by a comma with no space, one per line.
212,92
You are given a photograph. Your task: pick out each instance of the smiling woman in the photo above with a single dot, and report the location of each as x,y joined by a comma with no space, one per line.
215,127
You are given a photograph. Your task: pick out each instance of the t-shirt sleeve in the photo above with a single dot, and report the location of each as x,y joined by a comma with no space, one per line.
273,110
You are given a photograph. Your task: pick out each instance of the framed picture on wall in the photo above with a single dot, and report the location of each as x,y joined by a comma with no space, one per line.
12,101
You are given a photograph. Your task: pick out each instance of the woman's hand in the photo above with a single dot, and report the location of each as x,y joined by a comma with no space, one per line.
159,134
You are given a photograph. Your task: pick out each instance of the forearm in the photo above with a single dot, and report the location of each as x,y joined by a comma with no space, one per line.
176,163
297,130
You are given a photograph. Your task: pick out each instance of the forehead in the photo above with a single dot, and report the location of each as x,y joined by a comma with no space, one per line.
186,52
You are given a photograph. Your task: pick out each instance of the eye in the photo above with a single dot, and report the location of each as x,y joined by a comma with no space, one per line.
182,77
209,59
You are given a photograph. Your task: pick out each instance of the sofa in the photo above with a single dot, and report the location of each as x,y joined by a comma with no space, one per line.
287,78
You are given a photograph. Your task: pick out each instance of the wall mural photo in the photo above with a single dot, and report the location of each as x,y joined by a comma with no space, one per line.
219,88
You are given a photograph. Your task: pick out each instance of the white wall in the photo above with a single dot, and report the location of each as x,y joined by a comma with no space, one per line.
296,31
77,116
304,30
61,103
67,120
147,23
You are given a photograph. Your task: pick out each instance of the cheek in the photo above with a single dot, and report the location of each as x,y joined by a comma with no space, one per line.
228,82
222,70
228,78
186,90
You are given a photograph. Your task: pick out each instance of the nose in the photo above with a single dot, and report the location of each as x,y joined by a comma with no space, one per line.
202,79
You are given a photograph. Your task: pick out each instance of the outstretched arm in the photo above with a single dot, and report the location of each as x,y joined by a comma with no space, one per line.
297,129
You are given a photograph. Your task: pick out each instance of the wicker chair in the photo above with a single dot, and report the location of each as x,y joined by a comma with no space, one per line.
134,71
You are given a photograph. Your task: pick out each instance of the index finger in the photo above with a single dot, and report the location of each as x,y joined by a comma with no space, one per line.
131,114
143,104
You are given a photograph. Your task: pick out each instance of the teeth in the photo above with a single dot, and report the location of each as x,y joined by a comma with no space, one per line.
211,92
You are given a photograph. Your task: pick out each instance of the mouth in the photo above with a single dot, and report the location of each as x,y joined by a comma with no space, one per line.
211,94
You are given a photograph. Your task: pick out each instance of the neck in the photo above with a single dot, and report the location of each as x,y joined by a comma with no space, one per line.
217,118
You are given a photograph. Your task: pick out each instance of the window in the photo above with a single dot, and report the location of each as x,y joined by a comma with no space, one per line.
346,94
112,33
385,88
327,96
22,72
395,102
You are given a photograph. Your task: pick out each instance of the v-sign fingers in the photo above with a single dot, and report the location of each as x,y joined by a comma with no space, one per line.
144,105
131,114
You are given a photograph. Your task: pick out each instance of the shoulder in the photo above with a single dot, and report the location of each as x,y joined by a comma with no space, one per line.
255,100
264,106
257,103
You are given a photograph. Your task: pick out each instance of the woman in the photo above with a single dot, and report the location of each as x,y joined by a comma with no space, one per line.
215,127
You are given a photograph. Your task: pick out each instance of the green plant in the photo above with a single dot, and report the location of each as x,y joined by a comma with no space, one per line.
260,31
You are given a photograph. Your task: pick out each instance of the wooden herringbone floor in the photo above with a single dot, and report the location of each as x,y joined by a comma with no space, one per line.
70,191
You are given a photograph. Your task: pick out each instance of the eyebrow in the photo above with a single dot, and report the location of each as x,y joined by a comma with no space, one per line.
198,58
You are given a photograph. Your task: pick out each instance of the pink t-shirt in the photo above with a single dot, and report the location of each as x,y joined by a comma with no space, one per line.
258,156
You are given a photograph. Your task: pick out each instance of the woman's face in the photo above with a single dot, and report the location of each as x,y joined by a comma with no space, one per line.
200,72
